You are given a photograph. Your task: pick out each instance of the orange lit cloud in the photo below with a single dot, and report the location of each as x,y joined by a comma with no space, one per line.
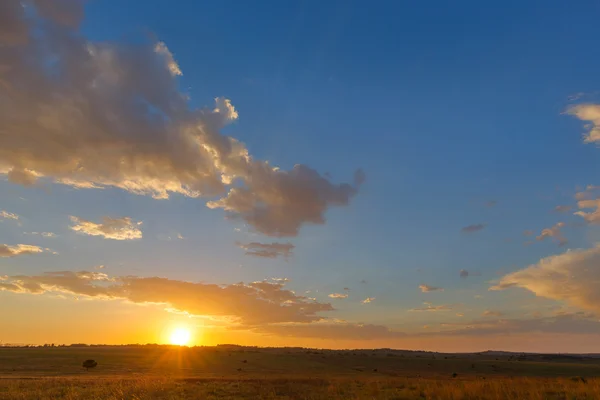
110,228
18,250
572,277
248,304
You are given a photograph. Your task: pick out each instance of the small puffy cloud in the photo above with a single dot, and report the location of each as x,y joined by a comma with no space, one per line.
18,250
554,233
180,236
118,118
431,308
591,217
491,313
562,209
338,295
427,288
268,250
464,273
7,215
572,276
368,300
248,305
473,228
591,114
110,228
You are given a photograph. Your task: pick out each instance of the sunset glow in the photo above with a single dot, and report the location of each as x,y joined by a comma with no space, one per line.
322,174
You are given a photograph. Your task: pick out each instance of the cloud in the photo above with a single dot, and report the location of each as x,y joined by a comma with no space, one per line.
473,228
18,250
368,300
527,233
110,228
347,289
432,308
554,233
427,288
338,331
491,313
268,250
591,114
338,295
43,234
592,217
110,114
250,304
7,215
562,209
571,323
464,273
572,276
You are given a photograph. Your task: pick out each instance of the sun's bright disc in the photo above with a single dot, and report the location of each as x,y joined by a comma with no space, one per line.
180,337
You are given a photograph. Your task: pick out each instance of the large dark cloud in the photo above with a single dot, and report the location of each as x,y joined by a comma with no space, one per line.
97,114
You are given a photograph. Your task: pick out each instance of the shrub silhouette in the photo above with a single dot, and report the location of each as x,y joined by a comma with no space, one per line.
87,364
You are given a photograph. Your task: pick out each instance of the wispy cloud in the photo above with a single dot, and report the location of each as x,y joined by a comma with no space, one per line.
338,295
427,288
492,313
368,300
431,308
6,215
43,234
110,228
18,250
268,250
562,209
554,233
473,228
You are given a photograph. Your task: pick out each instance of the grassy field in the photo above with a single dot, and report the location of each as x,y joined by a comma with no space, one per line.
205,373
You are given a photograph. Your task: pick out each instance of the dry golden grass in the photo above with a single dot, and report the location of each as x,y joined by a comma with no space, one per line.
309,389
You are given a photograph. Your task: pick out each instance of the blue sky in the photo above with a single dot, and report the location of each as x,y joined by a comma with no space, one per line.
456,112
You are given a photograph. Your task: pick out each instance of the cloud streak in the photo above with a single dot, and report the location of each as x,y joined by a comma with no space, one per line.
473,228
427,288
116,118
431,308
338,296
110,228
268,250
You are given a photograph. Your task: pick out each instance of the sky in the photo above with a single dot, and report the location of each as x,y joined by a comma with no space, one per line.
340,174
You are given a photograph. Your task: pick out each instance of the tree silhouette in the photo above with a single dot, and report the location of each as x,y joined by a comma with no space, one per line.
87,364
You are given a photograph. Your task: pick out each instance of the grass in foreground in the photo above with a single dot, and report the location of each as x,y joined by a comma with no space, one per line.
309,389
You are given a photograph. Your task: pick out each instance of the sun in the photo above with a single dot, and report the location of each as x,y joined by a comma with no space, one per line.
180,337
